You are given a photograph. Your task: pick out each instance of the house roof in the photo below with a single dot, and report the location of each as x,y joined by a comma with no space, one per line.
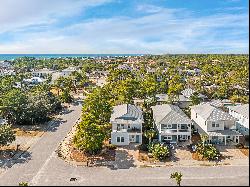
187,92
216,103
161,97
208,112
169,114
241,109
127,112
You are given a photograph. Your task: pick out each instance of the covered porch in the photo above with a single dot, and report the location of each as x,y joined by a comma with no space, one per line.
225,137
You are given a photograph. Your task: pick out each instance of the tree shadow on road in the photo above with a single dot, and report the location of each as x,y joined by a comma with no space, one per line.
21,157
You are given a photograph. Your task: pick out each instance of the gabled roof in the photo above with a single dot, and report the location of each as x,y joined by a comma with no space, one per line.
208,112
169,114
241,109
187,92
126,112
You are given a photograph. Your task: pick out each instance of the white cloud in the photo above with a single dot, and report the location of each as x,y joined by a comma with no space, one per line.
16,14
161,31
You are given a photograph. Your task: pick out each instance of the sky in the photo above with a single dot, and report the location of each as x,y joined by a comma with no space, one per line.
123,26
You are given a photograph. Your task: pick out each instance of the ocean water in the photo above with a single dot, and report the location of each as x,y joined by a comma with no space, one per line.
40,56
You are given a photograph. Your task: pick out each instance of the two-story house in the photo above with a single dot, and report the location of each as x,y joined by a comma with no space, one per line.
171,123
241,113
126,123
217,124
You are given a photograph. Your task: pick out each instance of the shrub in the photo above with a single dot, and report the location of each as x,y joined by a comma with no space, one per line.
240,146
150,147
7,135
111,147
158,151
143,147
208,151
23,184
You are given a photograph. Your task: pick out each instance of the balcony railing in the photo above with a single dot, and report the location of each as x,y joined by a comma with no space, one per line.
169,130
184,130
134,130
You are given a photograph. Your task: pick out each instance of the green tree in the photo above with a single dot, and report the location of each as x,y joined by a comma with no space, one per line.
204,138
150,134
89,136
177,176
7,135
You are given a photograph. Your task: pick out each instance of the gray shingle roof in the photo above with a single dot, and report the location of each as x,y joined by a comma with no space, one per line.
170,114
208,112
241,109
126,111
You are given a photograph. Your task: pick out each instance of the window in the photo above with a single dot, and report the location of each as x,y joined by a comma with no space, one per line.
167,137
196,115
169,126
118,139
213,124
183,126
217,124
122,139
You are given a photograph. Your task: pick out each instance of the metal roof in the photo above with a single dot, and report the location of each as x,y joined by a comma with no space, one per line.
208,112
126,111
169,114
241,109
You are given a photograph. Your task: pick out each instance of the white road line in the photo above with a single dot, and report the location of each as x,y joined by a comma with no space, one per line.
38,175
35,179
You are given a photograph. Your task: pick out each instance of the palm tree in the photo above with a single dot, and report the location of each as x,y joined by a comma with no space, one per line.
204,138
150,134
177,176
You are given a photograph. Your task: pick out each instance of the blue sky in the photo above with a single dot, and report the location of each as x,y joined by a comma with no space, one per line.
124,26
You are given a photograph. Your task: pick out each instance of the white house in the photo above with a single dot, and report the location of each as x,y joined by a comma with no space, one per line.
5,64
42,73
68,71
126,123
241,113
5,72
171,123
217,124
34,81
185,97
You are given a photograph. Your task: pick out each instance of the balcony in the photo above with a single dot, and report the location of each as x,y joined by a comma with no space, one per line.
184,130
134,130
169,131
131,130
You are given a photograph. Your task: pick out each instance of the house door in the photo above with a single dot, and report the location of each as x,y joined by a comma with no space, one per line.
132,138
137,139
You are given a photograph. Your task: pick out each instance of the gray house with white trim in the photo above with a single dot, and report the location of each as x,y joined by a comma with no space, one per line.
126,123
171,123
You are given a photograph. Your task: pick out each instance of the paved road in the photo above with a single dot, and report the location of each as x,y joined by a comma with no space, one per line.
45,168
40,153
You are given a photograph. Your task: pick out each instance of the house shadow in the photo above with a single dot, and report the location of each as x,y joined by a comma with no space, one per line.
122,161
23,158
